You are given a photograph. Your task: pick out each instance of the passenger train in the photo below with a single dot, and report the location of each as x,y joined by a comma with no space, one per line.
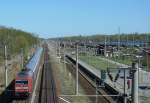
25,80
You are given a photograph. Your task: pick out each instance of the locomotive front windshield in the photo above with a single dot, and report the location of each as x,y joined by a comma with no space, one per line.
21,82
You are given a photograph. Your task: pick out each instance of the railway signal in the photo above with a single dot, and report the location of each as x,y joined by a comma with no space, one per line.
103,77
117,77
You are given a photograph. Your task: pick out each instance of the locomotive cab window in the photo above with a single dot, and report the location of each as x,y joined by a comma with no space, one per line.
21,82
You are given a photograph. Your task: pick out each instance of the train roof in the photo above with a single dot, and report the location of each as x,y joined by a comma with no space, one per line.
33,62
25,73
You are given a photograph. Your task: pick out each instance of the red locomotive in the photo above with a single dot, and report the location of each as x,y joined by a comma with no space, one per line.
24,81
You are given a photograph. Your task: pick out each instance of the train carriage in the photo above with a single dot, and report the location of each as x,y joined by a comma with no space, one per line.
25,80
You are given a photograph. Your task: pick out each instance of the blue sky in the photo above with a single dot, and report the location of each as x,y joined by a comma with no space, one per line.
55,18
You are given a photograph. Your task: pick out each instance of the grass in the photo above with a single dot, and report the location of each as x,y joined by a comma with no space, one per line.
122,60
145,101
96,62
80,100
129,60
65,82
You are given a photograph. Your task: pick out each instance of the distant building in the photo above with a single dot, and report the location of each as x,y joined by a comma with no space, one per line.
109,51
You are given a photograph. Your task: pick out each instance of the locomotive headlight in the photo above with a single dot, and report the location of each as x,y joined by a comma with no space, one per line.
25,87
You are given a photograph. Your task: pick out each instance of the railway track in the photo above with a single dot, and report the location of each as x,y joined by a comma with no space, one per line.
45,91
90,88
47,88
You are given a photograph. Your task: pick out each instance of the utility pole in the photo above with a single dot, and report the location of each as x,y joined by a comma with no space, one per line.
56,48
59,48
6,66
77,69
105,47
85,51
119,39
135,68
64,53
22,60
124,85
96,92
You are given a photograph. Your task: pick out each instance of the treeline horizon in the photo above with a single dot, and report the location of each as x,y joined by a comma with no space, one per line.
15,40
113,37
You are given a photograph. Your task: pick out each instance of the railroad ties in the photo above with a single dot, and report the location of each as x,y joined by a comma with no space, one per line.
47,87
102,94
